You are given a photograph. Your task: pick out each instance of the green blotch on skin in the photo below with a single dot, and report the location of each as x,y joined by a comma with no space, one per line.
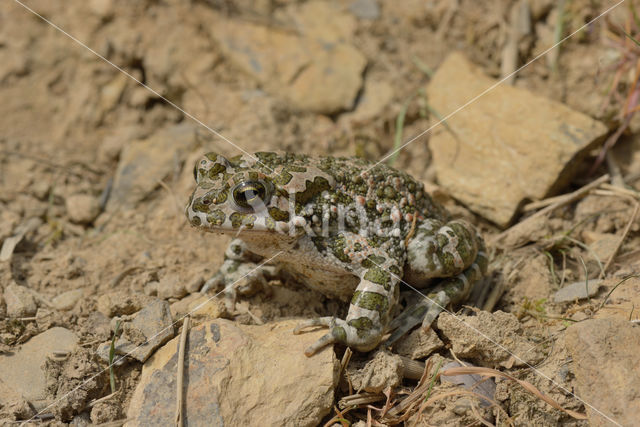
338,246
371,301
320,243
195,221
278,214
394,269
221,197
283,179
216,217
212,156
379,276
313,188
269,223
373,261
233,267
200,206
215,170
236,219
363,326
339,334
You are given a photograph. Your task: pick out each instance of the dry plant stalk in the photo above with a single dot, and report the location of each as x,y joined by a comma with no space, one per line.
180,379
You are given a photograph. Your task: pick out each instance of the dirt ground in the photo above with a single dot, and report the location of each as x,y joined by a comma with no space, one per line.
68,119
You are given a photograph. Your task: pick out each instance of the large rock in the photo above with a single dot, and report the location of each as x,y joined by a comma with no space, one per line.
507,145
143,164
22,371
607,369
238,375
308,73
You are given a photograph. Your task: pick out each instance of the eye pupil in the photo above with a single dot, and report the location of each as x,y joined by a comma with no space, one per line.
247,194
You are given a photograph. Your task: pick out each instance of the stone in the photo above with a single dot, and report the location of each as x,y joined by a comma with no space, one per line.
120,303
418,344
384,370
67,300
490,338
508,146
324,21
308,74
171,286
604,354
150,328
22,370
577,290
238,375
375,97
82,208
143,164
20,301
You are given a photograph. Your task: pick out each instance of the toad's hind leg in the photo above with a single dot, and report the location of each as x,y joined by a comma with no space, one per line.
449,291
369,311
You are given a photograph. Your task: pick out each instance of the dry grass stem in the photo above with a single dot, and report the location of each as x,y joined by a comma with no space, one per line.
180,378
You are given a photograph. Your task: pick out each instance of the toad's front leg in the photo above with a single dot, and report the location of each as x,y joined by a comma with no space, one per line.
369,312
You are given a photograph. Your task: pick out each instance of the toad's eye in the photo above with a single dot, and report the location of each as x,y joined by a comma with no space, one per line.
250,195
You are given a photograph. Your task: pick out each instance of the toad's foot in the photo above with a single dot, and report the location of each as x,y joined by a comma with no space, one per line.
349,333
240,273
449,291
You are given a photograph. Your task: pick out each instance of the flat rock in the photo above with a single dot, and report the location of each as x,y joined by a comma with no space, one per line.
238,375
308,73
577,290
22,370
20,301
141,336
607,368
143,164
509,145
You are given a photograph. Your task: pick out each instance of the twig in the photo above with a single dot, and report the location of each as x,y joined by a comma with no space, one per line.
622,237
180,379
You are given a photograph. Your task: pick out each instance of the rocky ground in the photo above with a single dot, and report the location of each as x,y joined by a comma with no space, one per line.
98,261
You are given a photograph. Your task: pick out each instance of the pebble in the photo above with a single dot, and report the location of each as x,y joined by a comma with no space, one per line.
82,208
171,286
20,301
67,300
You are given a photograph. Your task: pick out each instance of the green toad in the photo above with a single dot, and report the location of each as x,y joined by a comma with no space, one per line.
342,226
